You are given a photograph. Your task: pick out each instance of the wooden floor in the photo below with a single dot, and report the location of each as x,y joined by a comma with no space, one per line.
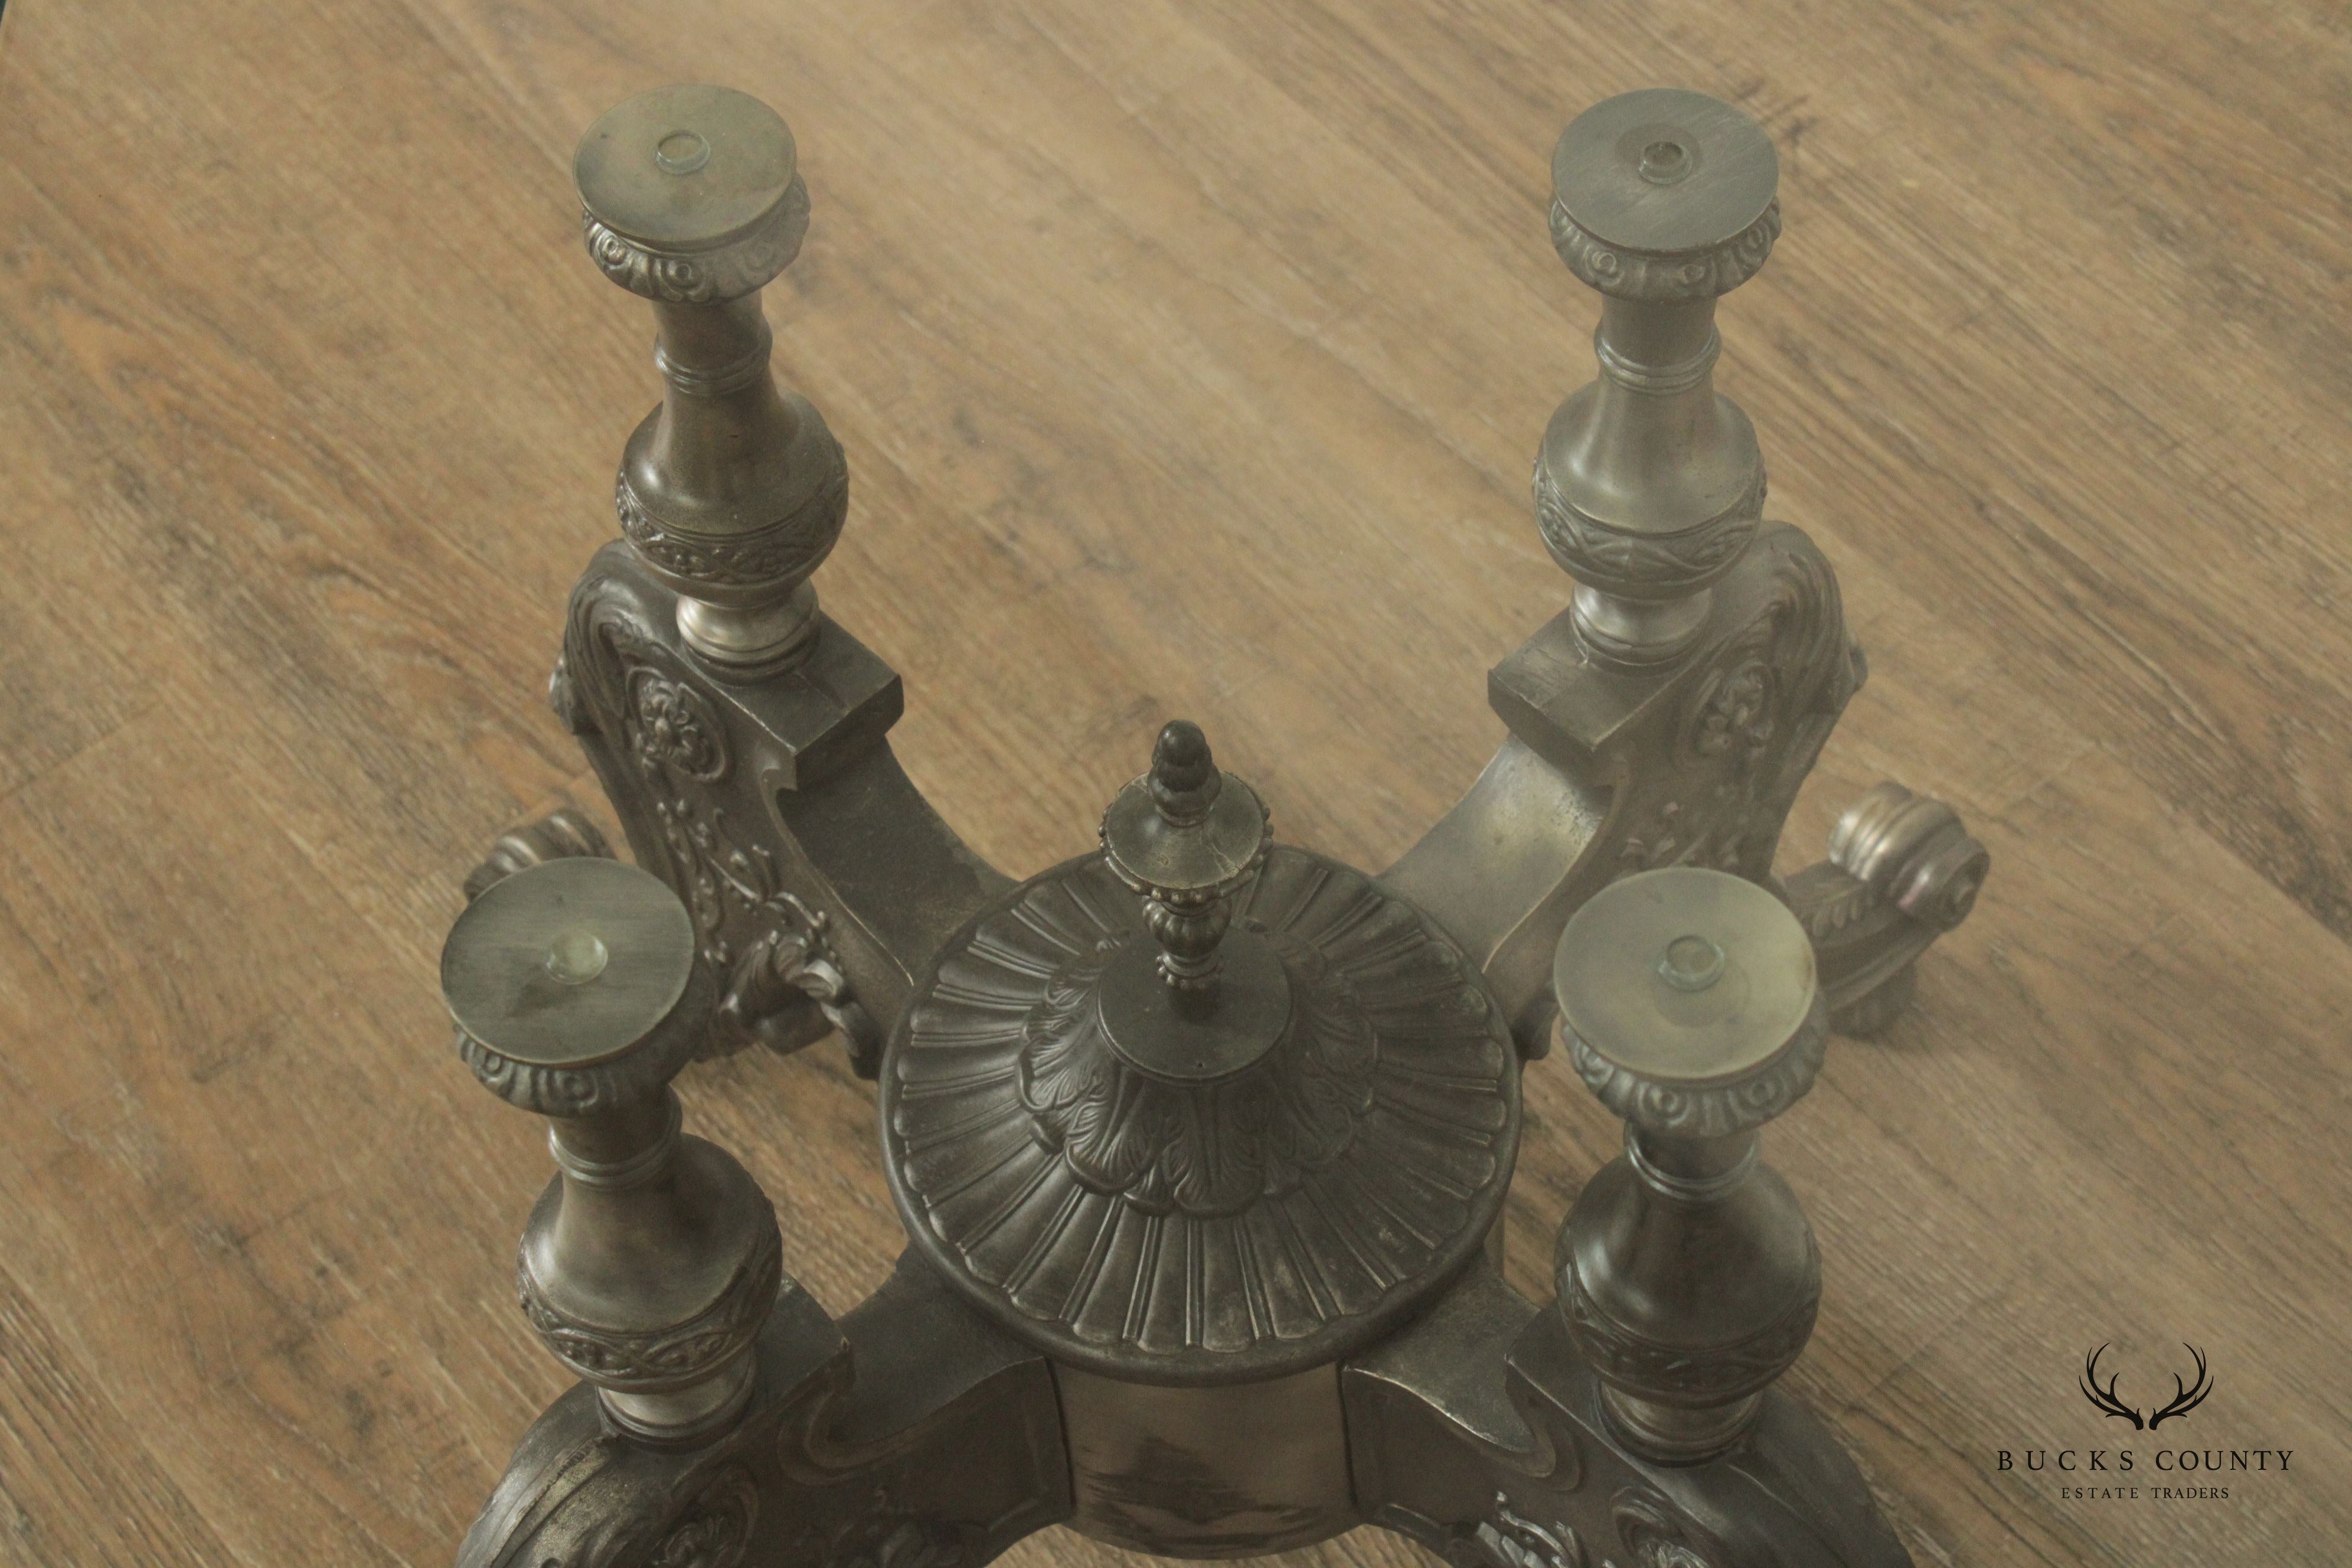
1190,359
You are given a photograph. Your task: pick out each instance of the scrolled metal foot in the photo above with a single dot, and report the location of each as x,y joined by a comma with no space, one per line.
1902,870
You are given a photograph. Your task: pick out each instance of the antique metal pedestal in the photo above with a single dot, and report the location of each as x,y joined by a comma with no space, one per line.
1200,1142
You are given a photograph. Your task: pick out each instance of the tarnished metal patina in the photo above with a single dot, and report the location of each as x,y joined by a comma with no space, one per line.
1201,1140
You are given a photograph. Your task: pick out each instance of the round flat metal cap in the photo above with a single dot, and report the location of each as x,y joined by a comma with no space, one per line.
1664,170
1151,851
685,168
1685,975
569,963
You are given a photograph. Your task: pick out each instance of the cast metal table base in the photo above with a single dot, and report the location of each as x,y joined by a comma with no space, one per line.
1199,1142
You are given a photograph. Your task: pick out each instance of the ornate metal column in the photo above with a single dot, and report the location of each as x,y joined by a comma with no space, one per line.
650,1264
722,1417
737,728
1670,715
1687,1274
1637,1412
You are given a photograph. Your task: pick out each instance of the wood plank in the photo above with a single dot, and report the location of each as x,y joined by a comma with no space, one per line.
1189,357
76,1481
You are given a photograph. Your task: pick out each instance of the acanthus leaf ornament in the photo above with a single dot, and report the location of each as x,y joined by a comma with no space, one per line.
785,982
1503,1538
1201,1149
1506,1540
1664,278
1708,1110
548,1092
589,1089
1073,1194
1709,1375
714,1530
1757,716
1632,561
1658,1535
724,271
884,1535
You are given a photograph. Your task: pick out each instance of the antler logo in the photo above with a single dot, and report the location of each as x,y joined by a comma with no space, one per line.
2184,1397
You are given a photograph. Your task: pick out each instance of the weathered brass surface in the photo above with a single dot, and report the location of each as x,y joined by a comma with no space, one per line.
1199,1142
569,966
1686,976
1223,1471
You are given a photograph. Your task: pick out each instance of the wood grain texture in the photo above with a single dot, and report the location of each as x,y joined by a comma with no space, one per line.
1190,359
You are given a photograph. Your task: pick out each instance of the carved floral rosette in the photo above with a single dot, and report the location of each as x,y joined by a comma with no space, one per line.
1659,1536
1503,1539
1754,721
767,944
714,1530
1194,1232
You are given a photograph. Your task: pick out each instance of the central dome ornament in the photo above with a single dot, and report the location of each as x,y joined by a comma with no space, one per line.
1202,1106
1214,1064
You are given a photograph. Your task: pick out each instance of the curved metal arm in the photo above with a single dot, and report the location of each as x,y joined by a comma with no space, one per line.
910,1436
1476,1434
820,879
1607,773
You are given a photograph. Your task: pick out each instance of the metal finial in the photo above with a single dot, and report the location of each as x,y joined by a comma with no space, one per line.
1184,776
1188,838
